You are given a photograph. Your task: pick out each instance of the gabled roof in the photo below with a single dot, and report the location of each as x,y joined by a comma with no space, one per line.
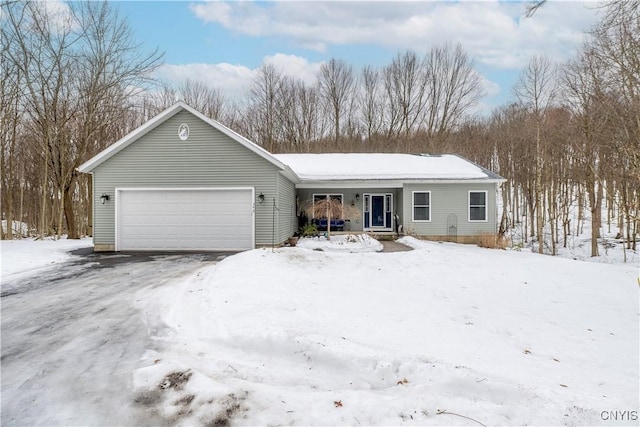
130,138
388,167
328,168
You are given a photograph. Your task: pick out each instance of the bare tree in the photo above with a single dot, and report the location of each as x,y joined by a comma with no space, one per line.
371,102
452,88
336,82
265,97
532,7
80,66
536,92
616,47
310,123
299,115
406,81
11,82
583,80
39,43
204,98
159,100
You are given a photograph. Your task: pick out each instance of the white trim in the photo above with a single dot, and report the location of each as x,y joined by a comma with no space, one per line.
183,136
349,184
413,201
107,153
486,206
118,190
380,183
93,208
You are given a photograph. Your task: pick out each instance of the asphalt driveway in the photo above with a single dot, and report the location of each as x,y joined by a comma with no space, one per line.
71,338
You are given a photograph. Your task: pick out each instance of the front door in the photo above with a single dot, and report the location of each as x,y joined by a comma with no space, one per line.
377,211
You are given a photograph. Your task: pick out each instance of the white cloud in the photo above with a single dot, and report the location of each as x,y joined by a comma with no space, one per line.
245,17
295,66
60,16
495,33
490,88
234,80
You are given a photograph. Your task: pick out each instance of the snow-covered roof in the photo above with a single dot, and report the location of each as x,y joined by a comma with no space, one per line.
382,166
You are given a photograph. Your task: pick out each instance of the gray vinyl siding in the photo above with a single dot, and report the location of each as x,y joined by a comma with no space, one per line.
208,158
286,214
449,199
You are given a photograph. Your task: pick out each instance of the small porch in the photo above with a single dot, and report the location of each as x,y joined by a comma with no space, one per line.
370,210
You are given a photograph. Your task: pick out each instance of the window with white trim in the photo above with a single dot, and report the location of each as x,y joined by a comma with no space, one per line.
477,206
421,206
337,213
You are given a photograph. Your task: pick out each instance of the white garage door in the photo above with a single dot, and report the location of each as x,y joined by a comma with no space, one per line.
185,219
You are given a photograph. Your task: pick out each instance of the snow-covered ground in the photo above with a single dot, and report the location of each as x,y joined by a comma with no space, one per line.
349,336
342,243
27,256
19,228
611,248
296,336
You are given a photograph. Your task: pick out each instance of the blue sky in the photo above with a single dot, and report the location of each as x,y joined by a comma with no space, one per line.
223,43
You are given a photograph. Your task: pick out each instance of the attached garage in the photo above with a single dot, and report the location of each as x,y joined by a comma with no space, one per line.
185,219
184,182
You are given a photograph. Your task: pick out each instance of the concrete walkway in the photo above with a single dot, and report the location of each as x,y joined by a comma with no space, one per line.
391,246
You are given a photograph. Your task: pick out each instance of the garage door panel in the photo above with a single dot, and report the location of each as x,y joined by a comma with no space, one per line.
194,219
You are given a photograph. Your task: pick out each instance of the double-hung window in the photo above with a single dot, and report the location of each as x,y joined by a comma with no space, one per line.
477,206
421,206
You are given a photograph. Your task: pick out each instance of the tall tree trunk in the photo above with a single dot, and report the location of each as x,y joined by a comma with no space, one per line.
21,212
595,205
61,212
540,215
580,211
43,197
531,205
8,205
504,221
69,213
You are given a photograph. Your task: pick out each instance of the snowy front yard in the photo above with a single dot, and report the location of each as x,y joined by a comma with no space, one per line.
28,256
298,336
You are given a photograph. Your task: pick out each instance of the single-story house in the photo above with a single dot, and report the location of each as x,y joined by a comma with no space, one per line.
183,181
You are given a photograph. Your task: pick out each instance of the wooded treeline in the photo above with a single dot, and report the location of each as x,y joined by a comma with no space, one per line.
74,81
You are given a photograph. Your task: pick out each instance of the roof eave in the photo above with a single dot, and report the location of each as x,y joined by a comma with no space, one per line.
390,183
491,174
291,175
